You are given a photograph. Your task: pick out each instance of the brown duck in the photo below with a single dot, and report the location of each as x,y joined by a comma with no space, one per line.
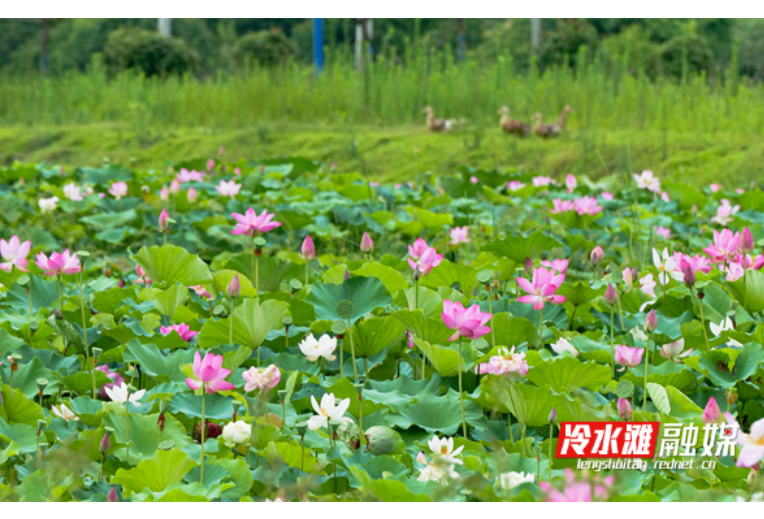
560,123
545,131
510,125
438,125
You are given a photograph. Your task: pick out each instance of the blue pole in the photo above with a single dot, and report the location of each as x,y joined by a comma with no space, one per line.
318,43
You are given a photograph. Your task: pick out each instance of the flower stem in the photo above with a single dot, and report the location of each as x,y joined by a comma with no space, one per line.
541,328
647,363
257,276
416,292
230,328
204,430
703,324
127,428
60,296
307,276
612,351
620,312
461,392
490,311
85,336
29,296
342,359
509,428
252,265
551,440
352,351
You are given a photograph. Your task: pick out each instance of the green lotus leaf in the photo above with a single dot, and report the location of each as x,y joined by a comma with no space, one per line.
518,248
366,294
567,373
252,322
170,264
165,468
373,335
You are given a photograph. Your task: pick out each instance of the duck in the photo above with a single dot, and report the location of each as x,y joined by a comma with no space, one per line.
513,125
437,125
560,123
544,130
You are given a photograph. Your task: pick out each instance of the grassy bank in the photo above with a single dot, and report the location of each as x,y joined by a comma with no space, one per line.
400,152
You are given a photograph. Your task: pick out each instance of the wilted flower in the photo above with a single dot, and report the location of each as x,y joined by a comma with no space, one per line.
250,223
209,373
118,190
229,189
308,250
183,330
628,357
314,349
542,289
562,345
121,394
512,479
328,411
469,323
367,245
712,413
263,379
58,264
47,204
673,351
237,433
14,252
213,431
460,235
64,413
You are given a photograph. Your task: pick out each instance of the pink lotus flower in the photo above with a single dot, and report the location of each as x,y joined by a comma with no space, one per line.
163,217
14,252
663,232
367,245
752,450
559,265
712,413
115,377
459,235
234,287
745,243
606,195
118,190
596,255
515,185
651,321
562,206
308,250
724,246
142,278
469,323
73,192
183,330
695,263
673,351
542,181
648,181
570,182
209,373
578,491
58,264
410,342
611,296
201,291
250,223
191,194
263,379
175,186
164,194
628,357
507,362
230,189
419,248
715,187
542,289
725,213
587,205
189,176
429,260
210,165
624,409
474,180
647,285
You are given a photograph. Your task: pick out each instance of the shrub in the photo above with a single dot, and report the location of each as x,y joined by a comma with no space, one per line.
563,43
266,48
148,52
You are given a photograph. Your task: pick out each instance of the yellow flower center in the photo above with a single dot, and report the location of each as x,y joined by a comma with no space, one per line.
443,449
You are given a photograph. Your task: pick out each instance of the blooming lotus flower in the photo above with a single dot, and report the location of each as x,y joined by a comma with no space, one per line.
596,255
628,357
559,265
367,245
724,246
230,188
73,192
663,232
512,479
163,224
648,181
418,249
562,206
263,379
752,444
724,326
507,362
715,187
47,205
570,182
515,185
14,252
314,349
429,260
435,472
201,291
578,491
443,449
250,223
695,263
183,330
58,264
142,277
624,409
725,213
328,411
120,394
542,288
236,433
459,235
673,351
562,345
542,181
64,413
209,374
474,179
666,266
607,195
189,176
308,250
647,285
115,377
587,205
712,413
118,190
469,323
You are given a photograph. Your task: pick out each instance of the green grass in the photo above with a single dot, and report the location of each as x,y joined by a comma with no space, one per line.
404,151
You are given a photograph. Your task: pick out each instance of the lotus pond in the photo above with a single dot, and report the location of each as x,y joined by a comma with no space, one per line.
275,330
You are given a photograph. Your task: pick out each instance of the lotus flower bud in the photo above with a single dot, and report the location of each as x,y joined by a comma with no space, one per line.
308,250
624,409
234,287
213,431
553,415
105,444
651,322
163,224
347,275
367,245
210,165
175,186
112,497
712,413
164,194
611,296
528,266
596,255
192,195
746,241
689,277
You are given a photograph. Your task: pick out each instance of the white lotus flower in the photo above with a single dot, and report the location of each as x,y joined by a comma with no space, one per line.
724,326
666,264
435,472
562,345
237,433
65,413
73,192
48,204
324,347
510,480
673,351
328,411
443,449
120,394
